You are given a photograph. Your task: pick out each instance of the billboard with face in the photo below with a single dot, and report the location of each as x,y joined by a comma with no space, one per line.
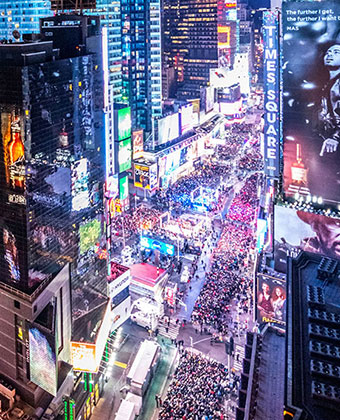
271,299
304,231
311,92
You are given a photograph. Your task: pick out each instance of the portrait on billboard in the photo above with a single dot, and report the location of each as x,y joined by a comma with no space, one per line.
311,100
271,300
306,232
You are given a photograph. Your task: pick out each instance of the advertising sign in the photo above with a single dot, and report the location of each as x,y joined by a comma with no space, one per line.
124,123
80,187
142,176
137,141
124,155
311,87
13,150
112,186
271,92
84,357
304,231
186,118
271,299
43,360
89,235
168,128
262,227
162,247
153,176
172,161
123,188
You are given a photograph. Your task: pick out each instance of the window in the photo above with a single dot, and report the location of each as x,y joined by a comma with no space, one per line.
16,304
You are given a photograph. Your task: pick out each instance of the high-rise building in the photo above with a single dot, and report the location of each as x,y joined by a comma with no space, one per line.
141,47
22,16
198,36
52,240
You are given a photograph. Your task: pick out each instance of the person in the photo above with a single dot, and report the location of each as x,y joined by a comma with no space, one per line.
330,102
327,230
278,300
264,304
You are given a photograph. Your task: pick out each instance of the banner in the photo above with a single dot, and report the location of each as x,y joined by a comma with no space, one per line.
271,92
304,231
311,92
271,299
137,142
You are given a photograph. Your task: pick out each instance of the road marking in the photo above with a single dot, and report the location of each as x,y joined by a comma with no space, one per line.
120,364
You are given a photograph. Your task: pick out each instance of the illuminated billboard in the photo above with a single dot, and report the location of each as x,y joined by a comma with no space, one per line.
311,122
123,188
43,360
172,161
271,92
137,141
186,118
89,235
142,176
80,185
124,155
298,230
168,128
124,123
271,300
13,150
83,357
154,244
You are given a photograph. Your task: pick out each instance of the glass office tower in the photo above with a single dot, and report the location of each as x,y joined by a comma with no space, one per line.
22,15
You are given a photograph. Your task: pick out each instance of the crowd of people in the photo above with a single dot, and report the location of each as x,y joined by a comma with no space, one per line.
197,391
244,204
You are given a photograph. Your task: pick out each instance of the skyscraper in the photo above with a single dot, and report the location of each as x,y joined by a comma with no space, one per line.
142,78
52,220
22,16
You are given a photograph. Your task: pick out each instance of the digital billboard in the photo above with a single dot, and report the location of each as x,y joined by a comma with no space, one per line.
186,118
123,188
124,155
137,142
84,357
172,161
43,360
296,230
13,150
142,176
168,128
124,123
311,121
154,244
89,235
112,186
80,185
153,176
271,299
271,92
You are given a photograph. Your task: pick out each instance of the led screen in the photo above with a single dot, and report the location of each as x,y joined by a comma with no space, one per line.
89,235
186,116
271,300
123,188
43,361
154,244
137,141
84,357
311,122
124,155
298,230
168,128
80,185
124,123
172,161
142,176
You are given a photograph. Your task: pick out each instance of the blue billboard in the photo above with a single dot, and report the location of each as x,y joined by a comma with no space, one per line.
162,247
271,93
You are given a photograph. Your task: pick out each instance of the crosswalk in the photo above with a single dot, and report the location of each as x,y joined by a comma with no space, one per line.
169,332
239,356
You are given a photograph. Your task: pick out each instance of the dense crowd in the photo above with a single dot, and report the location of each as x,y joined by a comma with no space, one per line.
225,280
251,161
244,204
178,195
197,390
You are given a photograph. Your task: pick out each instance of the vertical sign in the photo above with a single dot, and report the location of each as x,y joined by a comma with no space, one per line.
271,93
